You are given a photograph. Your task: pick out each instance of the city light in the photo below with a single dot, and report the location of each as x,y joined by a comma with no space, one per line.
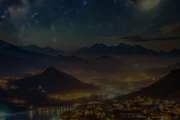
40,87
2,114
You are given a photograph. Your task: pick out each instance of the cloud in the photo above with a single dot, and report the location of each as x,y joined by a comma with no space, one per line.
130,38
171,29
144,39
15,9
18,12
166,33
12,10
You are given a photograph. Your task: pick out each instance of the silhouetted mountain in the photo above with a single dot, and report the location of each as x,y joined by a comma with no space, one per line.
53,81
122,48
36,89
4,44
167,87
9,49
14,59
46,50
119,49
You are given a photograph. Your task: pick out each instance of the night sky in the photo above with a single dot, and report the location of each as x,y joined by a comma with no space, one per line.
71,24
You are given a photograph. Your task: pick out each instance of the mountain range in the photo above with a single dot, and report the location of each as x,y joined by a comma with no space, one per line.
98,48
45,50
15,60
165,88
122,48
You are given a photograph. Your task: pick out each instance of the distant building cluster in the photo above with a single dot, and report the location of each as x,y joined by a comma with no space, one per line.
139,108
3,84
160,66
18,101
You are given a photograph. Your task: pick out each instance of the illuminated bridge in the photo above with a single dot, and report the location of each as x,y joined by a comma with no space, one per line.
40,113
52,113
61,109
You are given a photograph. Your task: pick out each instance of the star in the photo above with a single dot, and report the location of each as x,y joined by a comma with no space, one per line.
81,19
115,1
54,40
84,2
77,10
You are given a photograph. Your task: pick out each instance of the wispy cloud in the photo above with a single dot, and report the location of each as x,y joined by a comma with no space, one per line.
144,39
171,29
17,8
167,33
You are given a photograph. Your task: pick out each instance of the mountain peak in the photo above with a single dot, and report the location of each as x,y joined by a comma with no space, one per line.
44,50
51,70
99,45
53,80
4,44
122,44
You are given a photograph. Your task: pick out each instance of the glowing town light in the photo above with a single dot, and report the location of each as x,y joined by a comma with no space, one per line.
40,87
2,114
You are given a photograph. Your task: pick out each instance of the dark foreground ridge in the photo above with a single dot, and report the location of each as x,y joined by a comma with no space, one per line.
165,88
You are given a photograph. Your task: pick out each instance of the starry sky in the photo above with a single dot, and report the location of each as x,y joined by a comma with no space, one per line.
72,24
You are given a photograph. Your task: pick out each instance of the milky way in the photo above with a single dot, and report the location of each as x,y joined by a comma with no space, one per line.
70,24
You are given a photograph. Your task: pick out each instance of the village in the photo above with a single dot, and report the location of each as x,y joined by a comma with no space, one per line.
139,108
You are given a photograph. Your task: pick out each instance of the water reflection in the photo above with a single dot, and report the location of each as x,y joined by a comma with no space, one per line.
31,115
48,114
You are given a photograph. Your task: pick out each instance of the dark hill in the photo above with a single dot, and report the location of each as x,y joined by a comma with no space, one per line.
4,44
167,88
53,80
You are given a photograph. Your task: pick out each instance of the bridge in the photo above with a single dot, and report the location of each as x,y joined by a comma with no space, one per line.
61,109
41,111
58,109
